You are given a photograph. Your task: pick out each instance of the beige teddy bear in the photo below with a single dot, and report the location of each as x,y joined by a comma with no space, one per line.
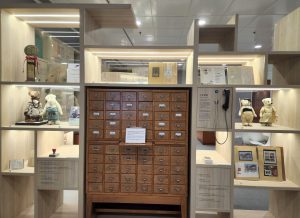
268,113
246,112
52,109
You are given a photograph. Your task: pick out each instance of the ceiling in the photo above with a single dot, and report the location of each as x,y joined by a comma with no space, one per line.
166,22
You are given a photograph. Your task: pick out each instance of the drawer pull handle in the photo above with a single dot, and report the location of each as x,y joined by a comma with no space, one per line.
112,114
161,160
96,132
112,104
161,170
145,114
110,189
145,179
178,180
162,105
178,134
112,123
161,189
161,179
128,158
177,125
129,105
112,133
161,134
178,106
96,114
178,115
144,160
177,151
144,189
161,124
96,149
177,189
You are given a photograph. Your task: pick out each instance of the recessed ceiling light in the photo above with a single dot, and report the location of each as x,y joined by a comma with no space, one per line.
258,46
46,15
51,22
201,22
64,36
62,32
138,22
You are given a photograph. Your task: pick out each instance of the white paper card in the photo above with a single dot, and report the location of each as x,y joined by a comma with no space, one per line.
240,75
212,75
135,135
73,73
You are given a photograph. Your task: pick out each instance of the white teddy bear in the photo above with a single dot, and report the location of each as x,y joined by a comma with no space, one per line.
53,109
268,113
246,112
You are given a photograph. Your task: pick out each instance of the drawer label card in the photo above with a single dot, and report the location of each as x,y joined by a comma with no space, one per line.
162,124
178,134
162,105
145,114
113,114
95,132
96,113
112,123
129,105
178,115
161,134
112,133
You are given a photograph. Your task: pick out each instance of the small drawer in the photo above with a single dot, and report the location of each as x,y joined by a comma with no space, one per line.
145,160
178,106
96,149
95,177
96,105
96,95
112,168
161,179
145,150
128,124
161,96
162,135
128,106
145,115
112,96
128,169
129,96
128,115
162,116
128,178
128,149
145,96
161,189
112,124
112,149
144,188
178,180
112,134
178,160
178,116
112,159
161,150
128,159
146,124
95,134
149,135
178,189
95,124
146,179
108,178
179,96
96,115
111,187
178,135
161,170
161,160
161,106
145,106
96,158
178,170
175,125
95,168
128,188
112,106
177,150
162,125
112,115
145,169
95,187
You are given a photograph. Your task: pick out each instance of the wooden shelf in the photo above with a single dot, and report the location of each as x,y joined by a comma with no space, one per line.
257,127
144,212
270,185
218,160
27,171
39,84
119,85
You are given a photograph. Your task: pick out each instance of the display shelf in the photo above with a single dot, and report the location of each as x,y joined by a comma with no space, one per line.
257,127
23,172
269,185
42,84
217,159
252,214
65,152
63,126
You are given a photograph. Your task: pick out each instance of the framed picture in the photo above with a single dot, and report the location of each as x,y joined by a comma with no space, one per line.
246,170
245,156
271,163
155,72
270,157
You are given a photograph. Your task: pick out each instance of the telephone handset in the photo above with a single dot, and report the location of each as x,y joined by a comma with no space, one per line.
226,94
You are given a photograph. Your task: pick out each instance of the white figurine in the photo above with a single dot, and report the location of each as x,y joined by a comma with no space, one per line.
246,112
52,109
268,113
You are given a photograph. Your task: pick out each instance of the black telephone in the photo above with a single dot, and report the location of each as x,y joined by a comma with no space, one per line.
226,93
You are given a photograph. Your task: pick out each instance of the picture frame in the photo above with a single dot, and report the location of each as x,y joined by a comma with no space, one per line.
245,156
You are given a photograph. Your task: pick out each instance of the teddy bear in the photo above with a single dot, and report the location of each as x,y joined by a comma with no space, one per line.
246,112
33,111
268,113
52,109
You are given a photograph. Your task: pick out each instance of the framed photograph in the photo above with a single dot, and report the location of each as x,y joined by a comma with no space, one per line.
270,157
245,156
246,170
271,163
